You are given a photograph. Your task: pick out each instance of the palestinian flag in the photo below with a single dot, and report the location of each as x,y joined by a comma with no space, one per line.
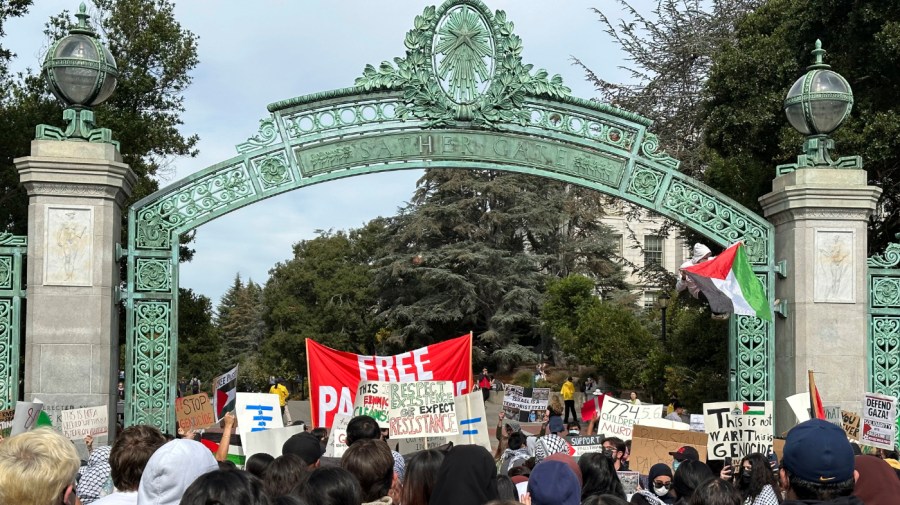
754,409
730,285
226,393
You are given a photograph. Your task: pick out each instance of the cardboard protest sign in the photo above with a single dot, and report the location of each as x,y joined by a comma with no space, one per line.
878,419
79,423
25,416
850,423
194,412
630,482
525,405
583,445
617,417
372,400
334,375
225,393
473,428
268,441
650,446
337,438
833,414
6,422
257,412
422,409
736,429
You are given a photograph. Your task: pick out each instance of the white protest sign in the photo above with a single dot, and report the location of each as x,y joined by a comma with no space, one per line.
736,429
833,415
879,416
617,417
583,445
525,405
422,409
26,415
337,439
268,441
257,412
800,405
697,423
224,393
473,427
665,423
372,400
79,423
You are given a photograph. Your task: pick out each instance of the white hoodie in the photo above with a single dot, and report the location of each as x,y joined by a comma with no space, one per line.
171,469
701,253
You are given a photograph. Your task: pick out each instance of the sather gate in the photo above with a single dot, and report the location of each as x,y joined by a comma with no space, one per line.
461,97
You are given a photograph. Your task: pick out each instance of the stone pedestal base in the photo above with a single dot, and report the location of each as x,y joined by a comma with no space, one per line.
76,193
820,218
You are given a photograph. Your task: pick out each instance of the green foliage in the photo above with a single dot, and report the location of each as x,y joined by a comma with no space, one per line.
199,348
239,319
512,356
9,9
746,128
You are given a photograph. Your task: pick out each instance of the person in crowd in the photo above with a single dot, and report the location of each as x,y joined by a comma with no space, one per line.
589,386
467,476
484,383
226,487
366,428
38,467
567,391
127,459
553,483
171,469
677,412
306,446
421,476
756,481
877,483
228,424
627,457
505,428
634,399
277,388
95,481
552,442
604,499
506,488
600,477
689,475
574,430
257,464
715,491
683,454
660,490
370,461
515,454
285,472
331,485
322,434
700,253
817,465
195,386
554,406
614,447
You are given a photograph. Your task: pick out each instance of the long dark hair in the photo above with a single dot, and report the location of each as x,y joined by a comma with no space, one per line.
599,475
761,475
420,476
331,485
226,487
688,477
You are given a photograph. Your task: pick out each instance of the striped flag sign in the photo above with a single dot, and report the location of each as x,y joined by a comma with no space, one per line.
754,408
225,393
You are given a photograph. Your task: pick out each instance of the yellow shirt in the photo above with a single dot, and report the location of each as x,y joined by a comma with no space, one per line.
282,393
568,390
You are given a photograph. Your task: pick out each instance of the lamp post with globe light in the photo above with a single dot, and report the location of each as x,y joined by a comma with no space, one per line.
815,106
81,73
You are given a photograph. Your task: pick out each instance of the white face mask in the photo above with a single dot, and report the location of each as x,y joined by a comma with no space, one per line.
660,491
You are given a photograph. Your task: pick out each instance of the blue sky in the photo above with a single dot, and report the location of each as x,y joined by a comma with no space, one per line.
256,53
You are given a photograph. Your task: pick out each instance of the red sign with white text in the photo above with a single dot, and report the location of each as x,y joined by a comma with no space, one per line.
334,375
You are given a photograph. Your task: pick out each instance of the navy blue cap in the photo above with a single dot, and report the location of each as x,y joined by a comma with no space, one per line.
818,451
554,483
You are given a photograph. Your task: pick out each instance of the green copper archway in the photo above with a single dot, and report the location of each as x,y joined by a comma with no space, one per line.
460,98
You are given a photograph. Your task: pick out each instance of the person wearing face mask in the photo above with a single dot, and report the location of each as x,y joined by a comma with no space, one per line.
659,490
756,481
683,454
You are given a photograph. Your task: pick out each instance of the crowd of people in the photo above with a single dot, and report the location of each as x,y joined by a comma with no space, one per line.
145,467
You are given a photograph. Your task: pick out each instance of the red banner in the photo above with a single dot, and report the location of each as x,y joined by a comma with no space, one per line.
334,375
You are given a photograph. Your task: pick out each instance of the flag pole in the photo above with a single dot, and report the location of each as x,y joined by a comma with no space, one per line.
815,401
311,409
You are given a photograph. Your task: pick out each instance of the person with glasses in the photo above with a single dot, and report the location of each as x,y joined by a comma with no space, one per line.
659,487
756,481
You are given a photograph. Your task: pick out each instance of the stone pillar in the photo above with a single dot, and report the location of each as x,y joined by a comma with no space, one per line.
820,217
76,192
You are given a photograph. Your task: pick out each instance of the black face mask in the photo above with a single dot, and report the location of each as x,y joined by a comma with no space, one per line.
745,476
